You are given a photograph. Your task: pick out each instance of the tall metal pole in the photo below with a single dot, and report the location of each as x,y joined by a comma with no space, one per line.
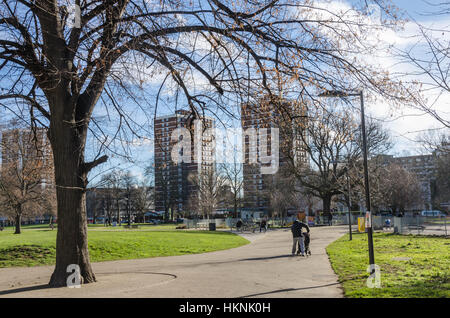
349,204
366,181
128,209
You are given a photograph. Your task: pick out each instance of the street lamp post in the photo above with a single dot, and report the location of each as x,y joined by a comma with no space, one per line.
349,203
366,181
128,209
342,94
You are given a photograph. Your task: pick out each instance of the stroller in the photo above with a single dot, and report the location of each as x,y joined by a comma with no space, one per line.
307,240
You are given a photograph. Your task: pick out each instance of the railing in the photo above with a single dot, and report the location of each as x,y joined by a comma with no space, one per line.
203,223
421,225
402,225
249,224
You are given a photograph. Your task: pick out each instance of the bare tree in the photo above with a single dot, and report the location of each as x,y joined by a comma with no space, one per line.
60,71
112,181
400,188
306,201
128,184
438,143
429,63
107,204
332,142
232,172
143,199
210,187
26,183
435,141
282,193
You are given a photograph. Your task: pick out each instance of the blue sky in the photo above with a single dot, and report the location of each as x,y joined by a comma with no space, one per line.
404,129
422,12
417,8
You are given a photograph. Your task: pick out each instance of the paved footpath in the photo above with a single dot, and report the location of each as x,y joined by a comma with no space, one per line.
263,268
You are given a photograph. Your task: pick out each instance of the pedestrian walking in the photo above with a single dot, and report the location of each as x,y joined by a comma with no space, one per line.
330,219
239,225
263,225
297,237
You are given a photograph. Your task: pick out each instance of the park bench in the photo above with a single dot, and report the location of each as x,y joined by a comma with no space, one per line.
419,228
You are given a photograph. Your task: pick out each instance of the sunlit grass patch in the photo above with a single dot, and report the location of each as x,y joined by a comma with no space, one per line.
410,266
37,246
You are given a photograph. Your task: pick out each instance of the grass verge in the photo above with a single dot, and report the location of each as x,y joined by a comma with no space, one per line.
37,246
410,266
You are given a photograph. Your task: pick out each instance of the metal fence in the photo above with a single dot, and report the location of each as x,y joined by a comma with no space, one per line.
403,225
248,224
340,218
421,225
408,224
378,221
203,223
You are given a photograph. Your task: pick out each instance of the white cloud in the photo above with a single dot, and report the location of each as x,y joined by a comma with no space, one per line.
382,44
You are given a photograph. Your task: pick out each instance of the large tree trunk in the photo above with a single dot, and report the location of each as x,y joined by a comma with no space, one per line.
18,223
326,201
68,142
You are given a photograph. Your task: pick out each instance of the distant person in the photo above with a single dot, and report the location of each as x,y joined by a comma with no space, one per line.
388,223
330,219
298,240
239,225
263,225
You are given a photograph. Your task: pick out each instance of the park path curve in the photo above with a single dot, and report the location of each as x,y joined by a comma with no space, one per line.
263,268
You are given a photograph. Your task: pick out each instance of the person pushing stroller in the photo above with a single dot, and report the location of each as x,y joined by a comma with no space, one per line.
298,237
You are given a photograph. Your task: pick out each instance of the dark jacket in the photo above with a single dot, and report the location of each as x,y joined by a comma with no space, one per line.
296,228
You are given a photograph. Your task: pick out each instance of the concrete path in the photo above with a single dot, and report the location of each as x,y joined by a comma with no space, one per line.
263,268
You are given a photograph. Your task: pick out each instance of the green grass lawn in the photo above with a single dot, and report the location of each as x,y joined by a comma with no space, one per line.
425,274
100,226
37,246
